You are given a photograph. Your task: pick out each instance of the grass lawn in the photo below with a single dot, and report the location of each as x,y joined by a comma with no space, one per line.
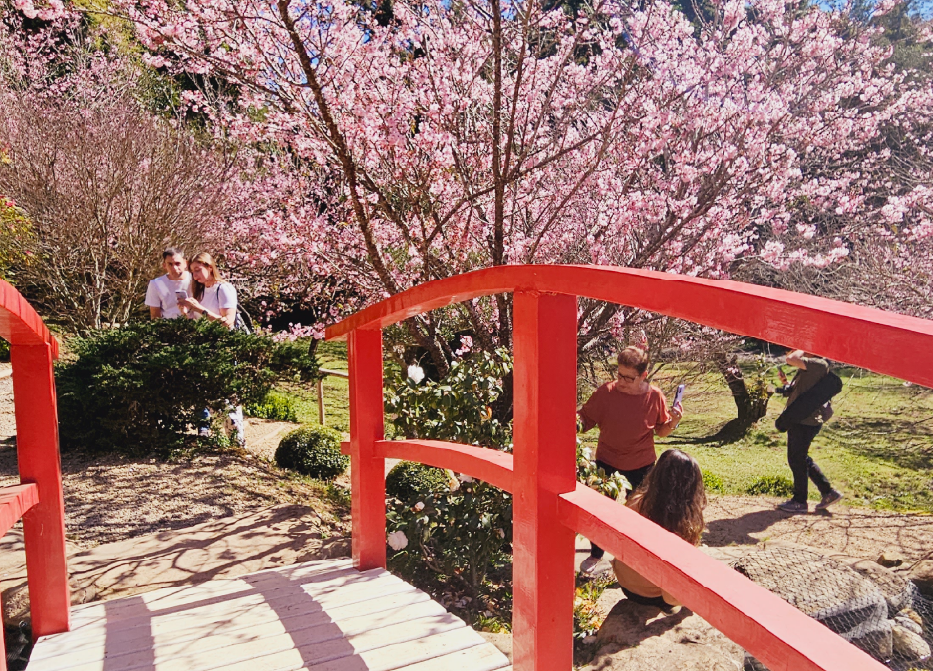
877,449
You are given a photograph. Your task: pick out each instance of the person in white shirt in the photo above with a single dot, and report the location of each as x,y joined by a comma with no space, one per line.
215,300
160,294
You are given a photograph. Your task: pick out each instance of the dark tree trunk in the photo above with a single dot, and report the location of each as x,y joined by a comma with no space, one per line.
750,408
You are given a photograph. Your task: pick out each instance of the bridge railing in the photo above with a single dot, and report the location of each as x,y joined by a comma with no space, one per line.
549,506
38,500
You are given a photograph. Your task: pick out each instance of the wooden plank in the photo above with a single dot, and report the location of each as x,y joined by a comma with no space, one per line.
171,597
480,658
387,658
217,636
315,645
14,502
189,625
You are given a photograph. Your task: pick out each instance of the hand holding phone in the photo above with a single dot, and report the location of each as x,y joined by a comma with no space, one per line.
679,394
781,375
181,295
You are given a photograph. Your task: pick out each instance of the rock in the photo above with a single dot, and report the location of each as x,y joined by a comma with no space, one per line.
824,589
336,547
636,637
875,638
890,559
909,623
909,645
921,574
898,591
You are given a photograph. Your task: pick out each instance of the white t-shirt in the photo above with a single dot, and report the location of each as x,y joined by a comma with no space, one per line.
161,294
221,295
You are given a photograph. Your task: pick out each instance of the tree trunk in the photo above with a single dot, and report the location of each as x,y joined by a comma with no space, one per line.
750,408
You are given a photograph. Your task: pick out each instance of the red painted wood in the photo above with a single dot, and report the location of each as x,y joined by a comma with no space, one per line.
482,463
775,632
19,322
39,463
367,470
856,335
544,426
14,502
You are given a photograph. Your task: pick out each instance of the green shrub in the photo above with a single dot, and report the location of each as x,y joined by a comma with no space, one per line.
408,479
312,451
454,539
774,485
274,406
713,483
141,388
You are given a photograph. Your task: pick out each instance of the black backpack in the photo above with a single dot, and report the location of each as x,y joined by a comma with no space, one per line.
809,401
242,322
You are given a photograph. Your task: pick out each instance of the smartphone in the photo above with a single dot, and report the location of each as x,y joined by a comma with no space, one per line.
782,375
679,394
181,294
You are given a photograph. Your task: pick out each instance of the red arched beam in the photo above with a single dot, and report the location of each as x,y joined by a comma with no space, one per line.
852,334
19,322
750,615
488,465
39,499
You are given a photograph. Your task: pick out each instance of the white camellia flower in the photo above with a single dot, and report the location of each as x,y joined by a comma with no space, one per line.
419,506
416,373
398,540
466,479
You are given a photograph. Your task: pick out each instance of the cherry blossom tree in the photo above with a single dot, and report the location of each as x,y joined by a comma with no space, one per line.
453,136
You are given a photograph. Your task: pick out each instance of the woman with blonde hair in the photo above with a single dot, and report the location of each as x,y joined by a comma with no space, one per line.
214,299
211,298
673,497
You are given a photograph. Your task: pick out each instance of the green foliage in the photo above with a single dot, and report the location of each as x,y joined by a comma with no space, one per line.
17,236
408,480
773,485
596,478
587,617
462,534
141,388
313,451
713,483
274,406
459,408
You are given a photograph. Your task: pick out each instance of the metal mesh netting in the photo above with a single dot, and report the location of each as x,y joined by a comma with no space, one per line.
871,607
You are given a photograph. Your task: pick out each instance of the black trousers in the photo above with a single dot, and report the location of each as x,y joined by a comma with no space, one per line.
799,437
634,477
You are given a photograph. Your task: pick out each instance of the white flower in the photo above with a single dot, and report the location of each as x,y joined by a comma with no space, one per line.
416,373
419,506
466,479
398,540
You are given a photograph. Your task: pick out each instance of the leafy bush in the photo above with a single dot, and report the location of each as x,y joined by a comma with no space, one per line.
596,478
312,451
408,480
463,535
141,388
274,406
459,407
775,485
713,483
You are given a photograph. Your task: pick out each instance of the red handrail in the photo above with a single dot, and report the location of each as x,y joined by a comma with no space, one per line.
549,506
38,500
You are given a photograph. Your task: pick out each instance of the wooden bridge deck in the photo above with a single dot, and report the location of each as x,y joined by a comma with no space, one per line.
322,615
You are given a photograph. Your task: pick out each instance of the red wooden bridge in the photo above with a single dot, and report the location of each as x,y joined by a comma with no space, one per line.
550,507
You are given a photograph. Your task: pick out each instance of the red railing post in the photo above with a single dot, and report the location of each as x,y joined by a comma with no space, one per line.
40,463
545,396
367,470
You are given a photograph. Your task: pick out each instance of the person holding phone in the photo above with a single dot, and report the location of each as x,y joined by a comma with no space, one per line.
629,412
162,292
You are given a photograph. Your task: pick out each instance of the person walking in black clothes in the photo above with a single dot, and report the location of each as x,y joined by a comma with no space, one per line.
801,434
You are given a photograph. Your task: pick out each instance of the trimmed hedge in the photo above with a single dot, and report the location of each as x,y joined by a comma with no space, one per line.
312,451
408,479
141,388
